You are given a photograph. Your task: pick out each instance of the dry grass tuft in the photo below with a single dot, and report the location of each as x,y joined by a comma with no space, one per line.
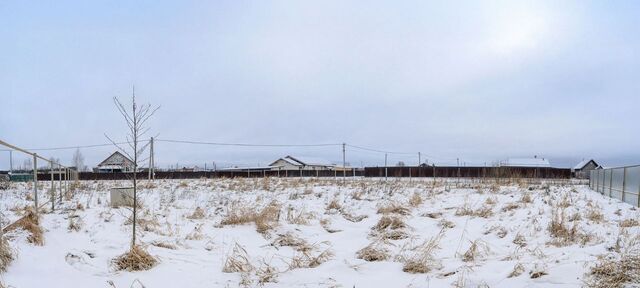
265,219
267,274
6,255
520,240
444,223
510,206
334,205
415,200
484,212
594,213
393,208
477,250
432,215
326,224
518,269
617,270
353,218
238,261
389,222
75,223
491,200
537,274
424,259
629,223
198,213
30,223
136,259
306,258
464,210
526,198
298,217
288,239
562,234
373,252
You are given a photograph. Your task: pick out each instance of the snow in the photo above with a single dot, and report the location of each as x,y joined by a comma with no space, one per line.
83,258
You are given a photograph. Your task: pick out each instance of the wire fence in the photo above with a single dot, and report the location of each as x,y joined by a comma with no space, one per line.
622,183
55,171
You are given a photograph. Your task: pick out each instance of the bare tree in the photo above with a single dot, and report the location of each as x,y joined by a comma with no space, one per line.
136,118
78,160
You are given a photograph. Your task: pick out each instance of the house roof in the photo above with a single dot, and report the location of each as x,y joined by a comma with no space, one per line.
527,162
584,163
311,161
104,162
290,161
303,161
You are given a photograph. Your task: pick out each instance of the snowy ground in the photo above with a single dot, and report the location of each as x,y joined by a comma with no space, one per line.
479,235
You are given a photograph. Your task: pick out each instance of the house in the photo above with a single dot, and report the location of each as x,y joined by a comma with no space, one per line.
117,162
298,163
527,162
583,169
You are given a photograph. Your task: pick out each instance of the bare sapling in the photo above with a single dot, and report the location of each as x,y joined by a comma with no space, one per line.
136,117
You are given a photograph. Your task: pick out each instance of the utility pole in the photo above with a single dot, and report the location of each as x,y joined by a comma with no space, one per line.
385,166
419,159
344,164
151,158
458,161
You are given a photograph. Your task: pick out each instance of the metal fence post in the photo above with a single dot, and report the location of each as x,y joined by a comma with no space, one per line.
35,180
53,188
60,182
638,191
610,180
624,181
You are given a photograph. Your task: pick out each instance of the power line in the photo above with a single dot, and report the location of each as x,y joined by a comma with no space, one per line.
247,144
72,147
369,149
381,151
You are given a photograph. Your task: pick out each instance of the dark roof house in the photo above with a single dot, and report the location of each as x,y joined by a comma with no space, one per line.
116,162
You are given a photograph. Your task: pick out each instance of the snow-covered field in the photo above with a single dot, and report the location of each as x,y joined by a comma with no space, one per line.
322,233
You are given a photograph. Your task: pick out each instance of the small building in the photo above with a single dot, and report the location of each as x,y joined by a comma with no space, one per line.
116,162
298,163
583,169
527,162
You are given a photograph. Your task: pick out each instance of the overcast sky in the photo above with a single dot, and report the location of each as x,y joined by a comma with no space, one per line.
480,81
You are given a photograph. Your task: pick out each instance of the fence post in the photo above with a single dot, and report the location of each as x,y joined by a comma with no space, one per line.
60,182
385,167
610,180
35,180
66,179
638,191
624,181
53,188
